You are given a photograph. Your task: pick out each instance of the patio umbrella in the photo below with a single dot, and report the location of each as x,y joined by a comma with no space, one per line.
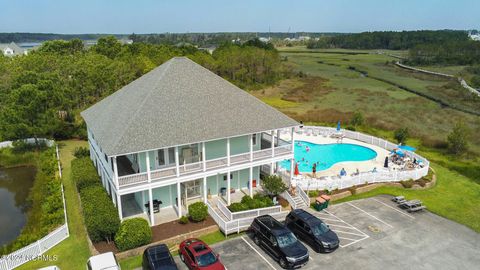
386,162
296,172
338,126
407,147
400,153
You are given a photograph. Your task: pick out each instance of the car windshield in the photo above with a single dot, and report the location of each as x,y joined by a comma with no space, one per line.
286,239
319,229
206,259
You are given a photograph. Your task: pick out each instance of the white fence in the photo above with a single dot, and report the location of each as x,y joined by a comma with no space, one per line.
48,142
382,175
240,224
38,248
247,213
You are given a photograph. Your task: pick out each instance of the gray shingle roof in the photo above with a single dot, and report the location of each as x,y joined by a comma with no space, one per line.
177,103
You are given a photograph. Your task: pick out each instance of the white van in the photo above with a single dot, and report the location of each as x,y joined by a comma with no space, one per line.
105,261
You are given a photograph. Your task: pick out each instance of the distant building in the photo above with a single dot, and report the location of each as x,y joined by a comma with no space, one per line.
264,39
475,37
209,49
11,49
303,38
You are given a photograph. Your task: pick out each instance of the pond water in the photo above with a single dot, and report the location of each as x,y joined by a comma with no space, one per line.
15,184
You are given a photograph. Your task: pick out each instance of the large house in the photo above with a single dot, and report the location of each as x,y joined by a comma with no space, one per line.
11,49
181,134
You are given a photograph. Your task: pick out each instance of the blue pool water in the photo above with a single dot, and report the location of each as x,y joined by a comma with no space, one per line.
327,154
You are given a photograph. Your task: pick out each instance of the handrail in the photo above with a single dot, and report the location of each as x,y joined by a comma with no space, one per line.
289,198
304,197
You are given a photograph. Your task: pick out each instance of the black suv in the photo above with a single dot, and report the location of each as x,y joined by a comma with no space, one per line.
312,230
158,258
279,241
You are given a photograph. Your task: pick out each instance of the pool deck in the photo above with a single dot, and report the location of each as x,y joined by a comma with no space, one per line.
350,166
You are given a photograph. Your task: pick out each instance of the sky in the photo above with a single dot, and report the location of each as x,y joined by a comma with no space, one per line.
181,16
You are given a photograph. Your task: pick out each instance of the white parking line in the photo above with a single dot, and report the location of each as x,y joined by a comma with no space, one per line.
405,214
344,246
337,231
348,238
256,251
335,225
369,214
347,223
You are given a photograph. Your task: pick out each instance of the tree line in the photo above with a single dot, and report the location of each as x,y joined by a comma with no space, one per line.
42,93
388,40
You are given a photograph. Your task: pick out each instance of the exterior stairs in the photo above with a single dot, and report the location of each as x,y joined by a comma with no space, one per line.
299,203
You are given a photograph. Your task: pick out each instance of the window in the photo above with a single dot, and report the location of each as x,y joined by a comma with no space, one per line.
254,139
161,157
171,155
225,177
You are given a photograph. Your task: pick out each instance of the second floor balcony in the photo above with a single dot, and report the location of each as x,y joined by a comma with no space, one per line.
202,157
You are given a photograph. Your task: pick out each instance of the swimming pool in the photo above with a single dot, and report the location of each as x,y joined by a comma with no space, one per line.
327,155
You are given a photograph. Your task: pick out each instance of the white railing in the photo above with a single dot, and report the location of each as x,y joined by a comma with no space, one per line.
286,195
216,217
211,164
381,176
36,249
224,209
247,213
304,197
48,142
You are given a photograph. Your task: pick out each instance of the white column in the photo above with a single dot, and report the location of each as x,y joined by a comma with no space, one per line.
228,187
292,161
119,207
115,172
228,151
179,200
150,206
205,191
177,163
143,201
250,182
272,133
250,138
291,140
278,137
204,157
147,160
271,168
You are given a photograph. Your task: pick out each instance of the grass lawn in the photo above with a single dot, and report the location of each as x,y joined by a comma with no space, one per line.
212,238
73,252
333,92
455,197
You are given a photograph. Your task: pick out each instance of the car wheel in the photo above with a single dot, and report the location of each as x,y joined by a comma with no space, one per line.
256,240
283,263
182,258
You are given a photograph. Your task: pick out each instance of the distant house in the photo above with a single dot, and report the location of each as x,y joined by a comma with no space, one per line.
180,134
209,49
11,49
264,39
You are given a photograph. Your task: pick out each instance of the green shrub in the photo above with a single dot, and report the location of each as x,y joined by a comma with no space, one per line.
198,211
273,184
421,182
313,193
183,220
401,135
237,207
134,232
353,190
101,216
84,174
407,183
21,146
81,152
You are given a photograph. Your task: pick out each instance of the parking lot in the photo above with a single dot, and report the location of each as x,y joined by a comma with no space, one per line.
374,234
